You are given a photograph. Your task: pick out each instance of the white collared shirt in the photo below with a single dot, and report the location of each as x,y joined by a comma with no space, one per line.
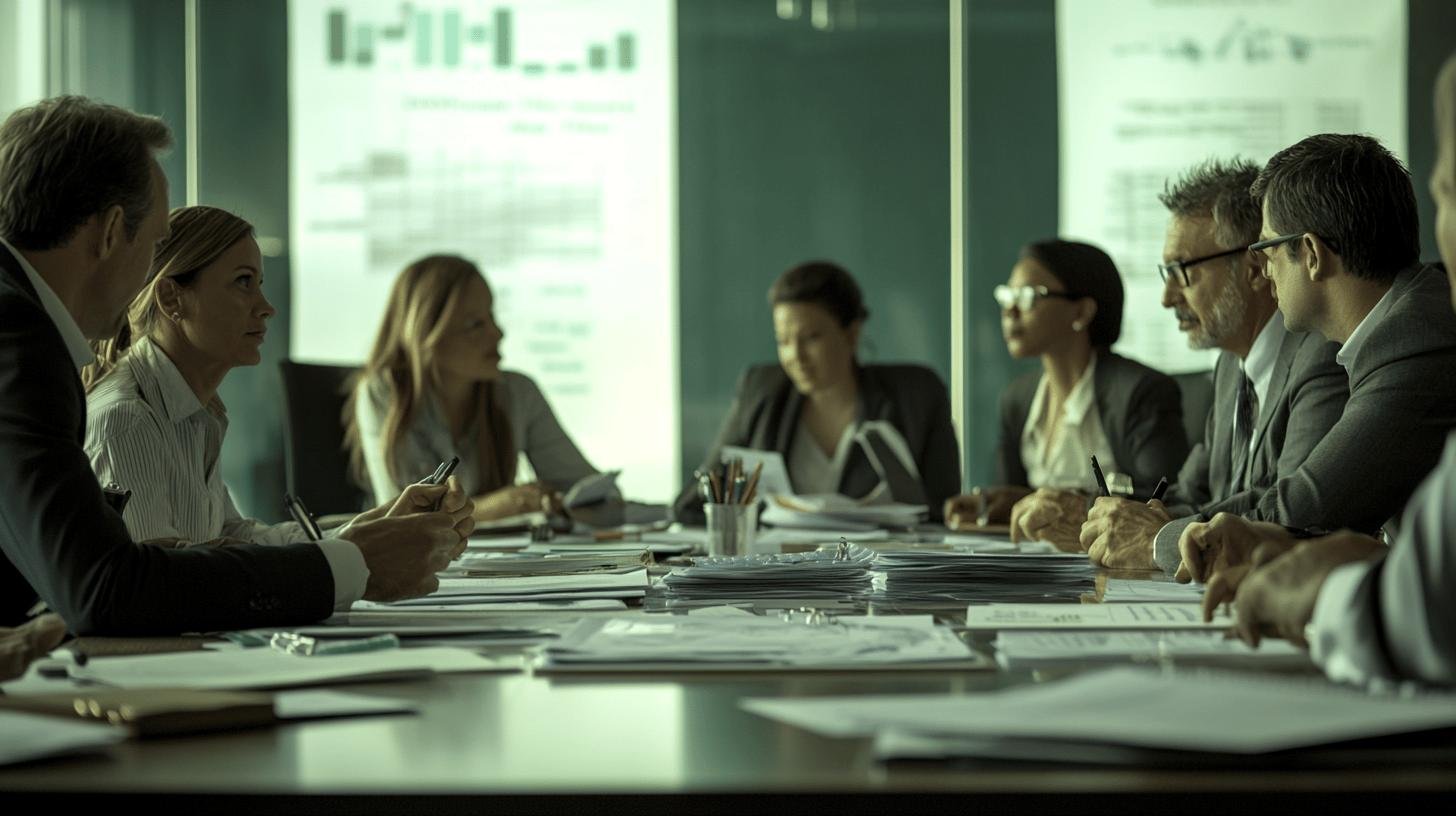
148,432
811,472
1351,348
80,350
1065,464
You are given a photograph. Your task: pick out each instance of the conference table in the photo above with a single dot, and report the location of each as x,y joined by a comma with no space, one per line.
679,743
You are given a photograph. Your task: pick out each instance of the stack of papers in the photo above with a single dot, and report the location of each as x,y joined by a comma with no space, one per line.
1040,650
835,512
1144,708
615,584
940,578
31,737
533,562
739,642
839,573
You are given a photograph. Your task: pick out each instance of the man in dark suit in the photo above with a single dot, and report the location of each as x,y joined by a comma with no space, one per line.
83,201
1342,241
1276,392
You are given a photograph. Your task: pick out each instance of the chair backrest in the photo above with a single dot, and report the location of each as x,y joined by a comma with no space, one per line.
318,465
1197,391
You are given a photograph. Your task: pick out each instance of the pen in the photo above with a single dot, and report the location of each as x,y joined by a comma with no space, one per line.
440,475
740,489
1101,480
751,492
984,516
296,509
1160,489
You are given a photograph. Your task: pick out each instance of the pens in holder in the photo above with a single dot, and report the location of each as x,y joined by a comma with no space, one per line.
751,492
299,513
1101,480
1161,489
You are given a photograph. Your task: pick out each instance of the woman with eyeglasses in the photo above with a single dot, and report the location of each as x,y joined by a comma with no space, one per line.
1063,304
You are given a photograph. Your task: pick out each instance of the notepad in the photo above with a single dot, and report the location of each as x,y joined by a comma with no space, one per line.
266,668
1092,616
1128,590
1242,713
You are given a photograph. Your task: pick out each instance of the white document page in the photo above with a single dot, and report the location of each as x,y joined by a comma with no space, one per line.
1091,616
1138,707
29,737
1131,590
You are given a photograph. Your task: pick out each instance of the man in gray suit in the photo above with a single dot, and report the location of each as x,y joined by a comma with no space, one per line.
1373,614
1277,392
1342,239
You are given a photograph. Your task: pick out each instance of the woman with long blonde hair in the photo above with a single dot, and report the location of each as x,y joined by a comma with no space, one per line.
433,388
155,423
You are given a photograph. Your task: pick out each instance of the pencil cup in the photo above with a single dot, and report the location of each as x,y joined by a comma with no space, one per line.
731,528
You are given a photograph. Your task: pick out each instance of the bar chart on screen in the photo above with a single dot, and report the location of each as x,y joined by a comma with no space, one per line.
536,140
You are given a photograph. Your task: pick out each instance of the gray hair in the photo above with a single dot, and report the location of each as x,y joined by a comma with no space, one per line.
1219,189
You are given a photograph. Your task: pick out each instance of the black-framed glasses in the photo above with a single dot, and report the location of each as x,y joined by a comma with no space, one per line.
1260,246
1180,268
1025,297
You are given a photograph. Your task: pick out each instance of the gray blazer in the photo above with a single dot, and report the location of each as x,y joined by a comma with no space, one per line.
1306,396
765,416
1402,404
1141,411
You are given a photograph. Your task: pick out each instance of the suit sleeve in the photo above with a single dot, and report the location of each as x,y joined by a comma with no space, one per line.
1395,619
1360,474
57,531
1010,470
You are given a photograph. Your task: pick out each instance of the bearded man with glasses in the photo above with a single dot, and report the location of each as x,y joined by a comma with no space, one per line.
1276,392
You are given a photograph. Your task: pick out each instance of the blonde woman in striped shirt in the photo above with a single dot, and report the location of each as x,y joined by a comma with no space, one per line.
155,424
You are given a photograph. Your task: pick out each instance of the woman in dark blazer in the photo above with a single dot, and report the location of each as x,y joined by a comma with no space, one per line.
809,407
1063,303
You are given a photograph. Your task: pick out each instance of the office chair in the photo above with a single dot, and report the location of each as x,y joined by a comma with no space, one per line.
318,465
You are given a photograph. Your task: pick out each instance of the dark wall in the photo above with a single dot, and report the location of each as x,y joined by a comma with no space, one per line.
797,144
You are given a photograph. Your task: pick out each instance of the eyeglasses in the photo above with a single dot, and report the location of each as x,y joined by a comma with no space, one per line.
1180,268
1025,297
1260,246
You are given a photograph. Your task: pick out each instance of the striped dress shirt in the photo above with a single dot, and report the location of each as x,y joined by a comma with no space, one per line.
147,432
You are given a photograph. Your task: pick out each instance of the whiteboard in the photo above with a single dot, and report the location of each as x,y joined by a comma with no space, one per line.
1148,88
536,139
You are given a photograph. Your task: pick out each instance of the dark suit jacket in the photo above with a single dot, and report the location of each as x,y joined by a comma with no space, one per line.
765,416
1142,415
1402,404
1306,396
63,544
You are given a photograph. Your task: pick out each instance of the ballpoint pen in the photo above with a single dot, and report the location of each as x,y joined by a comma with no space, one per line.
1161,489
984,516
440,475
295,507
1101,480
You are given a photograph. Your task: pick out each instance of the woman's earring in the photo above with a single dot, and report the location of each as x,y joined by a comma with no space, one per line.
1077,325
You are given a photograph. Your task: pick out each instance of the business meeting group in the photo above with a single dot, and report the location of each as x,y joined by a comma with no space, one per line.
1314,511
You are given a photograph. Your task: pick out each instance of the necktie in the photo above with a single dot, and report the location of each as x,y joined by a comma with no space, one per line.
1244,414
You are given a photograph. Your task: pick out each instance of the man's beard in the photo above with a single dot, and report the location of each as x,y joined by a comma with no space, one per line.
1224,318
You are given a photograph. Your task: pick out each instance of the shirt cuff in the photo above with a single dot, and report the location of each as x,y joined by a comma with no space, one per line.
1341,634
351,574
